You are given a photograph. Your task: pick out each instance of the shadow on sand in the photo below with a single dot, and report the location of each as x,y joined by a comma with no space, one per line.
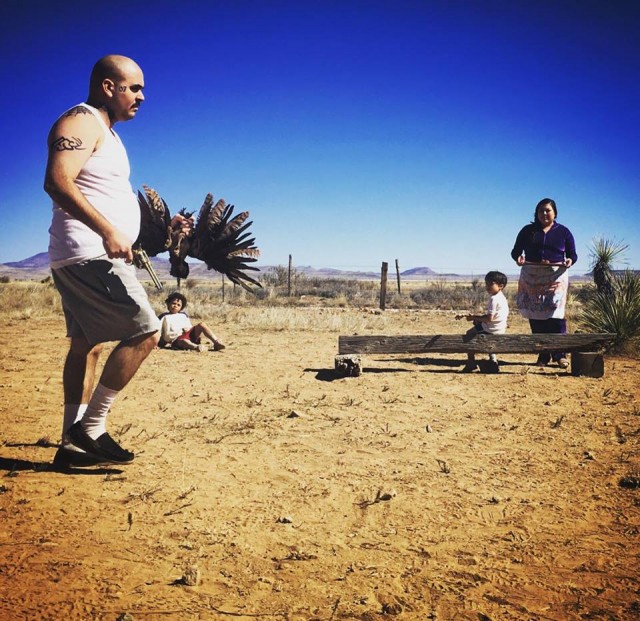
14,466
447,365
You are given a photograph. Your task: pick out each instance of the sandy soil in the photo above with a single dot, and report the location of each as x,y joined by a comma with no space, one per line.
412,491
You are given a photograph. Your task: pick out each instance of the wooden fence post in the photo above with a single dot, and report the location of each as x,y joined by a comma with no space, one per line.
398,275
383,285
289,278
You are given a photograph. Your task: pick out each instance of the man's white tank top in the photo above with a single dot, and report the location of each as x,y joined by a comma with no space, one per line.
104,181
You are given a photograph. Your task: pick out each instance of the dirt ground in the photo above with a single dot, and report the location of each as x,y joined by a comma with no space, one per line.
411,492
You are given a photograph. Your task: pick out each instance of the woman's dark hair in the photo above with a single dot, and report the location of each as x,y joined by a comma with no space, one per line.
176,296
545,201
496,277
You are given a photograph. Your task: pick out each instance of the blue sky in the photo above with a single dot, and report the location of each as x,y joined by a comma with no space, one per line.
354,132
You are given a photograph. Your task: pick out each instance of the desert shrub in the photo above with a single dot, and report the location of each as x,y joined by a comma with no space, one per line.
397,300
449,296
342,292
206,296
617,311
335,291
5,279
278,276
30,300
603,254
309,319
265,293
331,288
580,293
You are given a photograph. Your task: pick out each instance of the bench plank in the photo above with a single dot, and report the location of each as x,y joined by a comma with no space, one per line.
478,343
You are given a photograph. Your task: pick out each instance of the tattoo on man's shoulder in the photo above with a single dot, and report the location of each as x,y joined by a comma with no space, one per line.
75,111
67,144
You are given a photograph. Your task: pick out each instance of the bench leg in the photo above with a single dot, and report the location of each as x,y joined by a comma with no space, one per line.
589,364
348,365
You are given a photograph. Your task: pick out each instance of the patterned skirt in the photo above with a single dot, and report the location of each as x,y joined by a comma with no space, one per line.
542,291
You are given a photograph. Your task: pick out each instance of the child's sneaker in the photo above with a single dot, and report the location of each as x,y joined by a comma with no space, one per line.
543,360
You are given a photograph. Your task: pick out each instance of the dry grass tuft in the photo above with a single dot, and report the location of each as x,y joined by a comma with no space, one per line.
29,300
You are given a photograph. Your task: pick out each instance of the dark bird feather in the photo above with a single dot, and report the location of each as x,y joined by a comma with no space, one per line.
221,241
155,223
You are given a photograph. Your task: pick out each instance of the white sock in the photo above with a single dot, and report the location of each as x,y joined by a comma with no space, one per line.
72,414
94,421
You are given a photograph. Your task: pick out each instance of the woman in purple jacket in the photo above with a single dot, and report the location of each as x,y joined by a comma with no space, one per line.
545,250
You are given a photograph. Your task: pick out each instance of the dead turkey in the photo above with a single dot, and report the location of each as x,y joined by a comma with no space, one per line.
221,241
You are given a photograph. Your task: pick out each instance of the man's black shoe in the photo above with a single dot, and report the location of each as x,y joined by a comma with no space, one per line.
66,458
104,446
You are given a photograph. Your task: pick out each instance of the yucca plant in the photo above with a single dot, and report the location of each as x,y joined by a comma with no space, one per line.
604,253
617,311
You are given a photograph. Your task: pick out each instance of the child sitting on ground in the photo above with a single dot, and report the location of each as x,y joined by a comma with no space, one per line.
494,321
177,330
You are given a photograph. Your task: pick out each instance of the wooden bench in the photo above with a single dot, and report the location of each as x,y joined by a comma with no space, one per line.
586,349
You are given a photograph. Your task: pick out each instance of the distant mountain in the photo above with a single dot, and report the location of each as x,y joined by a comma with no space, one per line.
37,261
418,271
328,272
37,267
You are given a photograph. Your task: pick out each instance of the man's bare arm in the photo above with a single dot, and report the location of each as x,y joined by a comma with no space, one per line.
72,140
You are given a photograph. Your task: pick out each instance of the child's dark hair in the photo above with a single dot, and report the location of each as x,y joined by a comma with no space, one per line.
496,277
176,296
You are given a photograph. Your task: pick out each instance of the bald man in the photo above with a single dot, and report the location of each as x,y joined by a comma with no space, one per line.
95,221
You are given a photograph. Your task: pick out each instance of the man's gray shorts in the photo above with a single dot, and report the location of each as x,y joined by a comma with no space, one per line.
104,301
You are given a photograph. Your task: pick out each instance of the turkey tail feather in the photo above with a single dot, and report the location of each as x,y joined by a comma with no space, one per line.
221,240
